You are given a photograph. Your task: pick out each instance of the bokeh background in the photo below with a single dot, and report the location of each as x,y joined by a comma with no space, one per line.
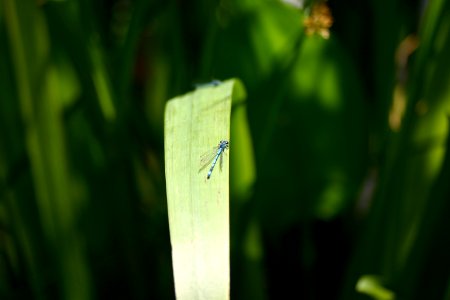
348,105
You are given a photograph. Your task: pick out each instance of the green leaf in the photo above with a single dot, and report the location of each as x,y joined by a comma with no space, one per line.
371,285
199,207
44,89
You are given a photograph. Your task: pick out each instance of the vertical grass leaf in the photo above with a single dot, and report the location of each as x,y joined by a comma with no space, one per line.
199,207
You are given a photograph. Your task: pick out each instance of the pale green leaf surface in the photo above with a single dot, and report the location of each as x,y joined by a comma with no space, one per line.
199,208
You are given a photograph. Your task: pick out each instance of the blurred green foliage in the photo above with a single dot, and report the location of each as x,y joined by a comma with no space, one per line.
350,135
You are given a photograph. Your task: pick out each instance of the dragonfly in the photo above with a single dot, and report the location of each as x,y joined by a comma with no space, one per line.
214,157
214,82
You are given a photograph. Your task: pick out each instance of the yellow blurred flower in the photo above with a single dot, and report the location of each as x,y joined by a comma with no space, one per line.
319,21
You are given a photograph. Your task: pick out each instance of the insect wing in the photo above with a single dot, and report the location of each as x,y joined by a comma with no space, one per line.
214,82
207,157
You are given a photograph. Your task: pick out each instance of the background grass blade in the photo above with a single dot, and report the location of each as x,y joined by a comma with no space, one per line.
44,87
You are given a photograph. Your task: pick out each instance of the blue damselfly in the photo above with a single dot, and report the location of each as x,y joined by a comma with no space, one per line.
213,156
213,83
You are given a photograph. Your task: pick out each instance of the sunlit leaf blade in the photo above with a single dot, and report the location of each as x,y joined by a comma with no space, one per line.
198,208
